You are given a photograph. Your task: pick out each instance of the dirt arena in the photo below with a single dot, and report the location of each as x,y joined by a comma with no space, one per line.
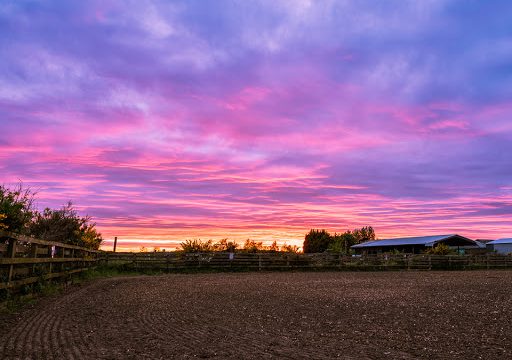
366,315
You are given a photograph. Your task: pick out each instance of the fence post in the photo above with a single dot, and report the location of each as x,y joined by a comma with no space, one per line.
62,265
259,262
33,254
430,262
11,253
50,251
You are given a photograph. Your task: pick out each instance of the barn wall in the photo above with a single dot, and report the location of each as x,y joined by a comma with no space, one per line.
503,248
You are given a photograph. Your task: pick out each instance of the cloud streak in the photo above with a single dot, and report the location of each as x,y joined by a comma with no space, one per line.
211,119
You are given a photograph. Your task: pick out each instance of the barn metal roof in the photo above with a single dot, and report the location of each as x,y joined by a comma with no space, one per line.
501,241
418,240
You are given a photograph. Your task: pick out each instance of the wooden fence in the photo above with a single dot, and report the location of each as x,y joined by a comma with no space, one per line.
175,261
25,260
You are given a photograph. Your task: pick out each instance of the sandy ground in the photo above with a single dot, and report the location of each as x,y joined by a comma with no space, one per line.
388,315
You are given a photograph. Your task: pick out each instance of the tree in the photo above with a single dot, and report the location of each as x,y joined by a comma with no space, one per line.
316,241
321,240
66,226
16,208
366,233
341,243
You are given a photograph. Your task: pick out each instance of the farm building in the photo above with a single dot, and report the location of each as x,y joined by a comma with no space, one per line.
501,246
483,242
416,245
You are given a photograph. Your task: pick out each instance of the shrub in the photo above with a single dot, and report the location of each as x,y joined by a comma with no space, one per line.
2,225
440,249
273,247
66,226
16,208
341,243
196,245
252,246
290,248
225,245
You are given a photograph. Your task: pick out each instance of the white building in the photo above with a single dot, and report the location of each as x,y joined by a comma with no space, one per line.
501,246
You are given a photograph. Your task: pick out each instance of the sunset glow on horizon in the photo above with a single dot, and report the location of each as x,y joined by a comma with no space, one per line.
174,120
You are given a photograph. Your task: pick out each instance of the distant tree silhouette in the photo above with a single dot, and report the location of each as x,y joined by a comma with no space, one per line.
364,234
320,240
316,241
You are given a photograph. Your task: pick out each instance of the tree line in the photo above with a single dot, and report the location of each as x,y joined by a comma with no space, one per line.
18,214
317,241
224,245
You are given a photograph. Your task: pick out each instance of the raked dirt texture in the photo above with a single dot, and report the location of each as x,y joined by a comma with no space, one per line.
308,315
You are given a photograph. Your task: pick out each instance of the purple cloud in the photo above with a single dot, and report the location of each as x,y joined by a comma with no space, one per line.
172,120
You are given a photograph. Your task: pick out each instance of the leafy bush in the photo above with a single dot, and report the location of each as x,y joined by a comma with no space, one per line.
17,214
16,208
2,225
273,247
65,225
225,245
253,246
290,248
440,249
341,243
196,245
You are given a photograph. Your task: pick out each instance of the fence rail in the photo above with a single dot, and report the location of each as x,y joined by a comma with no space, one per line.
25,260
175,261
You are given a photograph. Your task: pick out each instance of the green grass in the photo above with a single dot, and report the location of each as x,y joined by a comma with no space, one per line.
30,294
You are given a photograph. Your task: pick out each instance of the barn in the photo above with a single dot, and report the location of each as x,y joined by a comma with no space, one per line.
415,245
501,246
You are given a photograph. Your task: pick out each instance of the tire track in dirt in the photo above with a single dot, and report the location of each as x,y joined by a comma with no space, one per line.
48,332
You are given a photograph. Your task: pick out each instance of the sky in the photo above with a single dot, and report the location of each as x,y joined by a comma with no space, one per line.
210,119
